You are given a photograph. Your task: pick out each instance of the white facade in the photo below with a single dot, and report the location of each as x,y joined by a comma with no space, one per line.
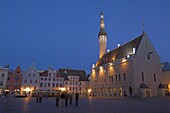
74,84
50,81
30,81
3,79
75,81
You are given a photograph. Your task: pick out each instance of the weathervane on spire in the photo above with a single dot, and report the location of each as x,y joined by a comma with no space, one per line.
101,5
143,31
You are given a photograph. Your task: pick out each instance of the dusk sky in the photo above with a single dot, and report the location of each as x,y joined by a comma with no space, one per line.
65,33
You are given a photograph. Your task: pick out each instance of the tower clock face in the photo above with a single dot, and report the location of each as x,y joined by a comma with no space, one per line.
101,16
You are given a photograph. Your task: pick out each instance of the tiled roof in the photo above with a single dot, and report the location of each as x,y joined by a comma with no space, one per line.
120,52
72,72
165,66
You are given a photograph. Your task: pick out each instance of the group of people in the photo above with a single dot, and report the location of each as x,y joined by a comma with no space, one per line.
63,98
39,97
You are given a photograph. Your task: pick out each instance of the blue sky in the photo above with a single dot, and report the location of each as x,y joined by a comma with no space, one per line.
65,33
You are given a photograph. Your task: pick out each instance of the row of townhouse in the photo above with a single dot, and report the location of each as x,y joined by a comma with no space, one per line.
48,82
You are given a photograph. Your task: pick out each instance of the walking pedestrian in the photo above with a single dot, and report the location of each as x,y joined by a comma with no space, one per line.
57,98
70,96
76,97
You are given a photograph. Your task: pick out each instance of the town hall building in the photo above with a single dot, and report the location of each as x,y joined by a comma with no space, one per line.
131,69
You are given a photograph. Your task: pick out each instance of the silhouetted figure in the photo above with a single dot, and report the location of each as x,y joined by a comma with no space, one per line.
66,99
57,99
62,98
77,98
40,97
70,96
37,97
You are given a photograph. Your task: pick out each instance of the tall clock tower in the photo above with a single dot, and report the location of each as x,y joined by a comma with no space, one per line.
102,36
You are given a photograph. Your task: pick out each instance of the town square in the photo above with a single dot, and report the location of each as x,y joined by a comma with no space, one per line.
87,105
84,56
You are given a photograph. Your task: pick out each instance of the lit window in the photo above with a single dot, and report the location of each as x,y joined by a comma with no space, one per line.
133,50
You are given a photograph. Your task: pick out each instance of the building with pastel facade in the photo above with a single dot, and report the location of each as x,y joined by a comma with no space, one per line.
14,81
75,81
166,76
3,79
30,81
50,81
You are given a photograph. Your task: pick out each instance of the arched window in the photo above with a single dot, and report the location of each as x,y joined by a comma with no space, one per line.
143,77
154,77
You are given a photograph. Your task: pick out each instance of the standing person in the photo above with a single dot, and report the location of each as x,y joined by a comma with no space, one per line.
76,97
40,97
57,97
62,99
37,96
66,98
71,96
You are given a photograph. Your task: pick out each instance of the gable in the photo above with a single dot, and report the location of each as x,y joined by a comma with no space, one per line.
120,52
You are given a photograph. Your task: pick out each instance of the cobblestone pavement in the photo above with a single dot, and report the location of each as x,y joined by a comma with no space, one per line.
87,105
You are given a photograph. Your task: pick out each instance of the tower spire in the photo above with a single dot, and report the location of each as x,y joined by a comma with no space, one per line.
102,36
102,25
